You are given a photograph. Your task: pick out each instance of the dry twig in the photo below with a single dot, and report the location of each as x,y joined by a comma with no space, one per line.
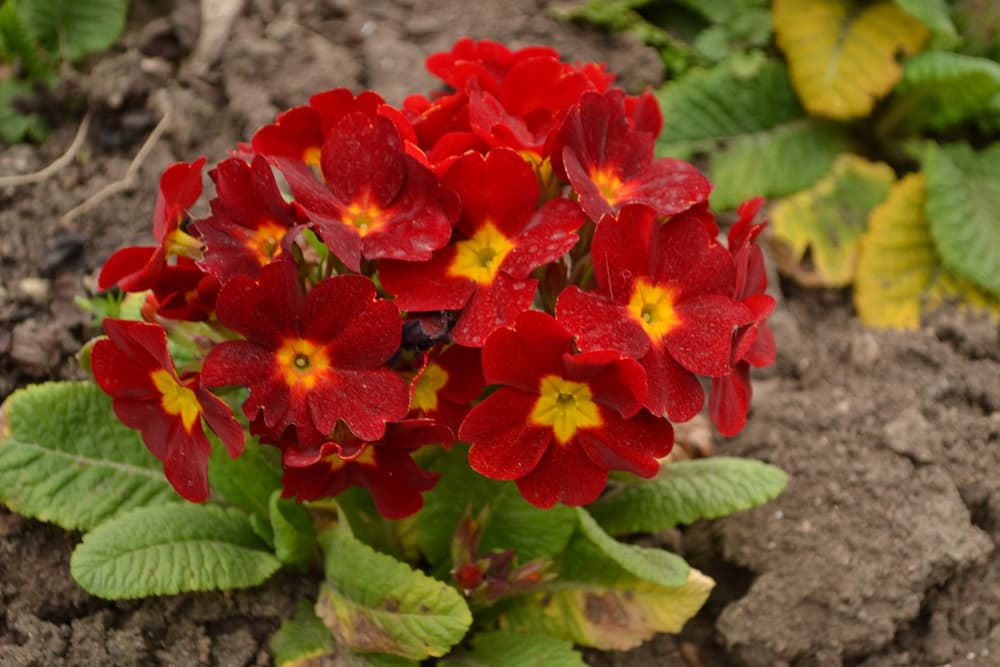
57,164
128,180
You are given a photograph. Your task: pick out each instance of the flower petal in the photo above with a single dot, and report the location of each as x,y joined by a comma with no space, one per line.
703,341
523,355
565,474
493,306
672,391
505,445
633,444
599,324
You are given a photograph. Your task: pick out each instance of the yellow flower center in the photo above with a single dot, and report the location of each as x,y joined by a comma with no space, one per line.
425,394
609,185
480,257
365,218
565,406
367,458
176,399
264,242
313,157
653,307
302,362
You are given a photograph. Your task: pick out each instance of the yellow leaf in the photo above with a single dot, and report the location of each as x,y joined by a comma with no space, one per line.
899,270
609,617
829,219
842,53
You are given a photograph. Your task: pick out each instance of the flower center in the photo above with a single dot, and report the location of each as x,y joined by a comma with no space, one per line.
430,382
479,258
301,362
565,406
653,307
176,399
609,185
364,218
265,242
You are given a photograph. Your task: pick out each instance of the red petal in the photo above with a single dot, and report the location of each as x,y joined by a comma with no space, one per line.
672,391
493,306
566,474
370,339
180,187
617,383
505,445
333,304
762,352
365,400
633,444
624,248
426,286
703,342
133,269
219,417
729,400
500,188
691,259
668,186
237,363
599,324
265,310
291,135
548,236
186,463
363,158
522,356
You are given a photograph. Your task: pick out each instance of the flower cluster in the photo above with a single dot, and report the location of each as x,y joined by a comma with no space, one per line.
505,264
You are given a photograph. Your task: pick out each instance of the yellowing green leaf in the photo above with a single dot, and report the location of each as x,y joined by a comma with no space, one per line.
830,218
607,616
899,270
842,54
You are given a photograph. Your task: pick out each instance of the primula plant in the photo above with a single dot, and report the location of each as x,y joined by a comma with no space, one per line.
432,353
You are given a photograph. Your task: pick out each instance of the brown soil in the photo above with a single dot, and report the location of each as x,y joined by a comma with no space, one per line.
879,554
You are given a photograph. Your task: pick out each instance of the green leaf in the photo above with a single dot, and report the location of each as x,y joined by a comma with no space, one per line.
653,565
750,124
935,16
373,602
301,637
514,523
686,491
397,537
963,198
65,458
294,534
14,125
246,481
505,649
899,271
842,55
941,89
19,40
829,219
73,28
171,549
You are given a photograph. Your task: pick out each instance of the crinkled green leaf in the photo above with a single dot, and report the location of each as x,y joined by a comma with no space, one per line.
514,523
20,42
14,125
521,649
899,271
397,537
940,89
963,201
686,491
74,28
749,123
65,458
172,549
301,637
829,219
294,534
372,602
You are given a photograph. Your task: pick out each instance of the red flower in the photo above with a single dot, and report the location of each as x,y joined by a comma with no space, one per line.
729,399
447,384
664,298
610,163
485,59
310,360
134,367
138,268
249,219
384,467
376,201
505,236
559,422
182,292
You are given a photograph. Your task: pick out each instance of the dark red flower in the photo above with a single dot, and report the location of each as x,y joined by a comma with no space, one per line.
559,422
447,383
384,467
729,399
664,298
504,237
138,268
134,367
376,200
249,219
486,60
610,163
310,360
182,292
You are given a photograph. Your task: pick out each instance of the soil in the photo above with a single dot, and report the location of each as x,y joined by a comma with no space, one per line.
880,553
